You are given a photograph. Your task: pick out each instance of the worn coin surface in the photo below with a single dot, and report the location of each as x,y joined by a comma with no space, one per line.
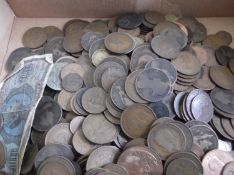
227,37
231,65
150,164
160,109
214,41
48,113
129,20
72,82
53,31
112,108
99,26
93,100
88,38
102,156
154,17
152,84
64,99
99,55
224,54
72,43
98,129
228,168
3,154
133,32
76,123
136,120
116,168
111,118
227,126
74,25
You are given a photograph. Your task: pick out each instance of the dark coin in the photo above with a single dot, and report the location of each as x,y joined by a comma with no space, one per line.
224,54
53,31
142,48
48,113
227,37
178,102
205,137
16,56
154,17
38,51
200,32
74,25
97,26
72,42
79,95
55,46
72,82
169,101
3,154
152,85
34,37
129,20
112,108
88,38
160,109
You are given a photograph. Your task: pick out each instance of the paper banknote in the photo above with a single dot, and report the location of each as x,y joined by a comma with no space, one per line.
20,93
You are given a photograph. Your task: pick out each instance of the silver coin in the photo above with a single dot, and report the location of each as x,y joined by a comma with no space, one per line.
177,103
88,38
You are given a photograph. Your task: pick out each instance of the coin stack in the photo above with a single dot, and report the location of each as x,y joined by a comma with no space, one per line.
135,94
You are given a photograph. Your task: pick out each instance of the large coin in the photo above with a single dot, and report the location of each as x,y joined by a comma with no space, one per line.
129,20
72,82
120,43
59,134
102,156
205,137
222,76
34,37
93,100
98,129
72,44
48,113
136,121
152,84
119,96
143,161
88,38
175,139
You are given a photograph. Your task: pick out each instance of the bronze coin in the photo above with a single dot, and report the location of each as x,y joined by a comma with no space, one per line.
97,26
136,142
197,150
227,37
136,120
154,17
115,168
34,37
53,31
74,25
201,53
129,20
133,32
72,43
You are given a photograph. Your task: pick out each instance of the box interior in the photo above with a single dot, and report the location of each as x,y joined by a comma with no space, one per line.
16,16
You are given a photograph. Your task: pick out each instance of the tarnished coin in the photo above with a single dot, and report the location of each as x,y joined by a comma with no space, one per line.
136,120
97,44
74,25
175,139
55,46
53,31
34,37
99,55
81,144
228,168
133,32
112,108
38,138
160,109
151,163
3,154
102,156
214,41
152,84
227,126
16,56
53,150
119,96
72,43
224,54
110,76
64,99
99,26
72,82
154,17
76,123
95,171
205,137
78,102
120,43
59,134
219,157
192,123
211,57
67,59
164,66
116,168
111,118
145,47
227,37
201,53
178,102
136,142
98,129
197,150
129,20
88,38
93,100
48,113
148,37
186,63
199,33
222,76
112,24
130,87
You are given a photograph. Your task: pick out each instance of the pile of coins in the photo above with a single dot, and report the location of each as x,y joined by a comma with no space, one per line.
136,94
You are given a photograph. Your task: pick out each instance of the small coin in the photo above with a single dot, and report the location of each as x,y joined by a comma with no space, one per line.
72,43
81,144
132,120
175,139
164,66
98,129
3,153
53,31
227,37
119,96
205,137
64,99
120,43
160,109
93,100
116,169
88,38
222,77
186,63
133,32
129,20
76,123
224,54
72,82
102,156
53,150
60,134
111,118
228,168
152,84
154,17
151,163
48,113
34,37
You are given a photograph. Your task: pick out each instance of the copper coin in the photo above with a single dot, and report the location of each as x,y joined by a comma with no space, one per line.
93,100
142,48
136,120
99,26
34,37
72,82
186,63
72,43
222,76
213,41
180,87
74,25
120,43
129,20
227,37
151,163
53,31
228,168
154,17
214,161
133,32
224,54
164,25
197,150
3,154
136,142
175,139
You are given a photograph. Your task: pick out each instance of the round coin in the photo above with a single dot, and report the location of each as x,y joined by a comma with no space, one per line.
228,168
154,17
53,31
72,82
76,123
227,37
224,54
88,38
74,25
116,168
72,44
99,55
64,99
160,109
129,20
